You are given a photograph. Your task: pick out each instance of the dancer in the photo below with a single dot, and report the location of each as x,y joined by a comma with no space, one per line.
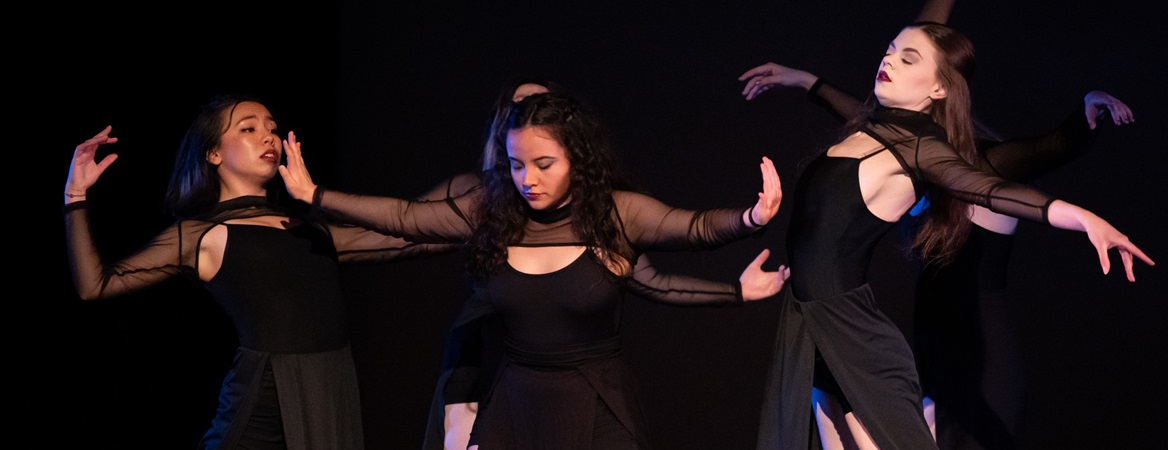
965,340
911,142
552,236
273,270
474,343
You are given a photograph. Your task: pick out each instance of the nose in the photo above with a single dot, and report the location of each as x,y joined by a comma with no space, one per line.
529,178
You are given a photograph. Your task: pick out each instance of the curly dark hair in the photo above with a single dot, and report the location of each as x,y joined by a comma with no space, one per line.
593,177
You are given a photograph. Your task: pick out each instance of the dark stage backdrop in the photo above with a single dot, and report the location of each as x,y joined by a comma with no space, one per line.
389,98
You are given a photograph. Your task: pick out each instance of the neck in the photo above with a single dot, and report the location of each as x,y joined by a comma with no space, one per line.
228,192
549,215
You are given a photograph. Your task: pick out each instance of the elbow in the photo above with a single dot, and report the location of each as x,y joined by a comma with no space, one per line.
88,296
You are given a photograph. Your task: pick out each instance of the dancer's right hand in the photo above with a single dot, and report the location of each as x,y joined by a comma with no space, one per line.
296,177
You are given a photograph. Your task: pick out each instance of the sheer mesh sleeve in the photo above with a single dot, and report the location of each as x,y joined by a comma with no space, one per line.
840,104
1025,159
649,224
441,221
680,290
169,254
359,245
933,161
452,187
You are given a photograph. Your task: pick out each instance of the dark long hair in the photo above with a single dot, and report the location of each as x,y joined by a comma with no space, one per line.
194,182
496,134
592,179
946,225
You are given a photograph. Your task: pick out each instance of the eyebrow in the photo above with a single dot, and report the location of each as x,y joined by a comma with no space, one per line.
541,158
892,45
254,116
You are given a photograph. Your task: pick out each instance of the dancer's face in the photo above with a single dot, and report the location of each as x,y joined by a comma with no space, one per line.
250,149
907,77
539,167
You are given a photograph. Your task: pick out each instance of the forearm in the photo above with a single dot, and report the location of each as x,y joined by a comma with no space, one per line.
422,221
93,279
681,290
1025,159
936,11
652,225
840,104
359,245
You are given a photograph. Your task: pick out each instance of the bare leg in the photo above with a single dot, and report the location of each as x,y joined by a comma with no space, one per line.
838,430
930,409
460,419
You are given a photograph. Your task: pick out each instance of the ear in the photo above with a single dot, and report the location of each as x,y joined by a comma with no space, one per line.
939,92
213,157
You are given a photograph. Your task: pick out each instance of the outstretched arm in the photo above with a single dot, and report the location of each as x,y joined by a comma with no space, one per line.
650,224
760,79
360,245
754,284
452,187
430,222
1025,159
937,163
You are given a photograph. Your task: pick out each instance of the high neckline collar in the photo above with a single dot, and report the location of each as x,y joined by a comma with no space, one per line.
916,122
547,216
246,201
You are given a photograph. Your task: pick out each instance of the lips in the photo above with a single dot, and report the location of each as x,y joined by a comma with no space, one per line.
270,156
883,76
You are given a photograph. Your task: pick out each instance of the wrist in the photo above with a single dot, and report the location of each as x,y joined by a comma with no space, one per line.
809,81
73,197
317,194
749,219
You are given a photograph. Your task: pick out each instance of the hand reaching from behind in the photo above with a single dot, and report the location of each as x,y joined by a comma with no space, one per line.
85,170
769,199
295,174
1096,102
758,284
761,78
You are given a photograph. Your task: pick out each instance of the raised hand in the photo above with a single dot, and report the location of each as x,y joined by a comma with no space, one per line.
85,170
296,177
770,197
758,284
1095,102
762,78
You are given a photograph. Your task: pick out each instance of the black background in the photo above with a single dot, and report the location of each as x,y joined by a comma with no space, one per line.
391,98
